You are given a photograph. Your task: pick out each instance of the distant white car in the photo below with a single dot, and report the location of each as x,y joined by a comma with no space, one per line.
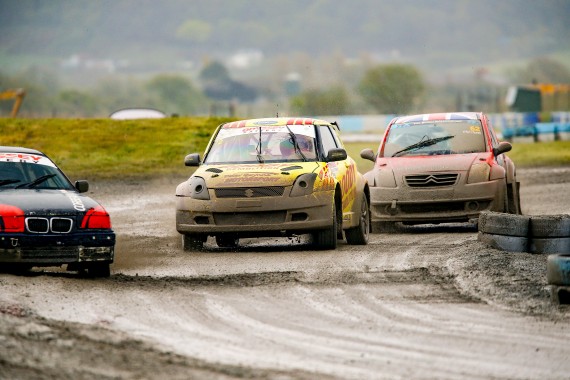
137,113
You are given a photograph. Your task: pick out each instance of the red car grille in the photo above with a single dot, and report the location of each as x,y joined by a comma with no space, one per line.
431,180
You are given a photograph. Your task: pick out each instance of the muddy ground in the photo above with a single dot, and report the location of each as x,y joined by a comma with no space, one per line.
427,302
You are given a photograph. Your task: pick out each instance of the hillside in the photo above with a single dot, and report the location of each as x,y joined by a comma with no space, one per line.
135,35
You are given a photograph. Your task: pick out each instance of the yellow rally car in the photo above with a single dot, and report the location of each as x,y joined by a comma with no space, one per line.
273,177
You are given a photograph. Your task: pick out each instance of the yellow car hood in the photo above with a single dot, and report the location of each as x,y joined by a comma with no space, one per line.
254,175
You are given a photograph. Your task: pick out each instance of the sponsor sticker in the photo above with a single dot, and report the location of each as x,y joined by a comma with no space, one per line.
76,202
27,158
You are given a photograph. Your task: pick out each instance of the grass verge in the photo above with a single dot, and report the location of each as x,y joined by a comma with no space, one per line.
107,149
100,148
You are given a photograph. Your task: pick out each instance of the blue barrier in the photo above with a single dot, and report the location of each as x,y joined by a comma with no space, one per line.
552,127
350,123
509,124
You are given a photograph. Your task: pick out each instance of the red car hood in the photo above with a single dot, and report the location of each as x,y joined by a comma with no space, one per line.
440,163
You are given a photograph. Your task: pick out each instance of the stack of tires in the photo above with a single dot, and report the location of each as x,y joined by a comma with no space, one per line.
540,234
507,232
558,277
551,235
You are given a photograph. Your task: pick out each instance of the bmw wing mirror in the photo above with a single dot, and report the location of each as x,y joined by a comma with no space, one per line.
82,186
368,154
336,154
503,147
192,159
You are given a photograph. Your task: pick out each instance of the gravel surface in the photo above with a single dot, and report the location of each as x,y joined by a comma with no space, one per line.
426,302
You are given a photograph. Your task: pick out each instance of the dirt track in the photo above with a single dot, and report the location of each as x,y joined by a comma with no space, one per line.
428,302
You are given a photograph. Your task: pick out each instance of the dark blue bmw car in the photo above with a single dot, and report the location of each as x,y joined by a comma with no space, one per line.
45,220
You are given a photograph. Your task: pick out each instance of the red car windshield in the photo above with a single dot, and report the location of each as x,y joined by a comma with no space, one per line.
434,138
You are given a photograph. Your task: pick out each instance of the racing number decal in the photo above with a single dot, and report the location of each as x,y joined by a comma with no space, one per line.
327,181
348,187
346,175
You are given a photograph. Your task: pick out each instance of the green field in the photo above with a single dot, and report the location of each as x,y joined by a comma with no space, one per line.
102,148
107,149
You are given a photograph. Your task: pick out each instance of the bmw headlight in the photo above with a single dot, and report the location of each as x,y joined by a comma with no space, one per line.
479,173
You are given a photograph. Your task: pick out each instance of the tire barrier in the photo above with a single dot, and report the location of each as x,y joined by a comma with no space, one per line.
558,277
507,232
558,269
542,234
550,234
560,294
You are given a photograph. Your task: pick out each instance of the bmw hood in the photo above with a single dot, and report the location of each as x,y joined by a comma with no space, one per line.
278,174
47,202
440,163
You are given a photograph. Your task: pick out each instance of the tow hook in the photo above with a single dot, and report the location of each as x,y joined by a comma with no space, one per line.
393,210
14,242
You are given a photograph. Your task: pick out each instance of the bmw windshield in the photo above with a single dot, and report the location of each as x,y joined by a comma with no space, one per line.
25,171
262,144
435,138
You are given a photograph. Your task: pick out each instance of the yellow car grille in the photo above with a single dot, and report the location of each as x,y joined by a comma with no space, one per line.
250,192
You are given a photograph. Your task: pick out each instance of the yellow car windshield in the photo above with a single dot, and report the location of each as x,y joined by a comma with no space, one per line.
263,144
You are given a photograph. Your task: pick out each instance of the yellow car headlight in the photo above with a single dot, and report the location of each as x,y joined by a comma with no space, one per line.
198,188
303,185
479,173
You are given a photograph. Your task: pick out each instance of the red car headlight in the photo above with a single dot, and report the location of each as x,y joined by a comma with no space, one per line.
11,219
479,173
96,218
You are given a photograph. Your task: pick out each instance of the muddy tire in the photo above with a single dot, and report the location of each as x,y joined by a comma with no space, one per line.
385,227
497,223
99,270
227,241
504,243
359,235
549,245
550,234
550,226
560,294
513,198
327,238
558,269
192,242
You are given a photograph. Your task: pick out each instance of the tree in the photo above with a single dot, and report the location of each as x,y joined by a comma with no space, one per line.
392,88
218,84
176,94
77,103
332,101
544,70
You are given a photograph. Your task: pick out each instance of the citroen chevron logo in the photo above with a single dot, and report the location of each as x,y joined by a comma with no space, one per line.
430,179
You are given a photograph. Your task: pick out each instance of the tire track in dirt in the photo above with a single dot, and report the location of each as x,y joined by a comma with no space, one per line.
409,305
